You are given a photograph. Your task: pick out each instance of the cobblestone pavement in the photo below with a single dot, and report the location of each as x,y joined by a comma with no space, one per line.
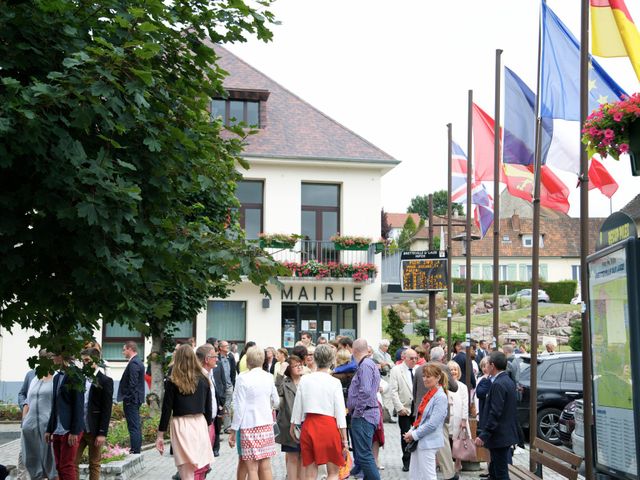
162,467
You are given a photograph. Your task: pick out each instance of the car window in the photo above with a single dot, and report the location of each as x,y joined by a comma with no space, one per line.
569,374
552,373
578,367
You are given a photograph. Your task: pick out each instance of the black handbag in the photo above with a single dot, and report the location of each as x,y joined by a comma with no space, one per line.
411,446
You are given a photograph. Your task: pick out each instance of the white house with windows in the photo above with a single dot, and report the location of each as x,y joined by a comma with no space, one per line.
559,250
310,176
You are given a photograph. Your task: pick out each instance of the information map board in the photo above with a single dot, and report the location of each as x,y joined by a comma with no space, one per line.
423,271
613,314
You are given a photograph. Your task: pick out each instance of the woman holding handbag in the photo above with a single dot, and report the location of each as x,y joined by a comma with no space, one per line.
458,402
426,435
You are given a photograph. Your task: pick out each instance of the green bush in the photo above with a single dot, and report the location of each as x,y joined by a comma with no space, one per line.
421,328
395,330
119,433
10,412
575,339
559,292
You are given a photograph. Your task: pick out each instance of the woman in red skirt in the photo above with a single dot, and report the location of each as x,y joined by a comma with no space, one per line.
319,408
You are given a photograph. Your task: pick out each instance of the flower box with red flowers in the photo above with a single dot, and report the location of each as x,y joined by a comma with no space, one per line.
614,129
278,240
345,242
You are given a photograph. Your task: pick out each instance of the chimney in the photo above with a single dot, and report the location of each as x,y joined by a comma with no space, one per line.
515,222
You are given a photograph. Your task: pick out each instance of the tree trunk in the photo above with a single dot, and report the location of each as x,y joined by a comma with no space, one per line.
157,375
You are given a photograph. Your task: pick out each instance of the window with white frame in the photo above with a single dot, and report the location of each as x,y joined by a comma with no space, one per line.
527,240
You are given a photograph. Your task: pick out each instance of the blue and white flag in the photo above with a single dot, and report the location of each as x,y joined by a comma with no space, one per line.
519,122
560,90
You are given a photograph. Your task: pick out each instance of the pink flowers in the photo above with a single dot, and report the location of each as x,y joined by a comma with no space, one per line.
113,453
350,241
360,272
606,130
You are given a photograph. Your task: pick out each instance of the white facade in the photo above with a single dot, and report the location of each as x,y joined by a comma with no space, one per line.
552,269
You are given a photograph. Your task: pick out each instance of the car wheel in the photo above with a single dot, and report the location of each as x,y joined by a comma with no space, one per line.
548,421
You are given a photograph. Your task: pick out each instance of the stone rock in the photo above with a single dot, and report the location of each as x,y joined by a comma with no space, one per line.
405,316
419,313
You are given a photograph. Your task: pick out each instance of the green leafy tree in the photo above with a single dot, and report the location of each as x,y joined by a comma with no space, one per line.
575,339
409,230
395,330
420,205
116,188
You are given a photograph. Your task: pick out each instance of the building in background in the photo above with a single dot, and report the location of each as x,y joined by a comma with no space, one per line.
309,176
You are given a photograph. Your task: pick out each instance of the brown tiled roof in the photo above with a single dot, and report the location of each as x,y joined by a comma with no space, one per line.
293,128
397,220
561,237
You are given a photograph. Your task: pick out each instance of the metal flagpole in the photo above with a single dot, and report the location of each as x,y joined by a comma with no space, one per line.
584,243
535,264
449,253
432,294
496,205
468,247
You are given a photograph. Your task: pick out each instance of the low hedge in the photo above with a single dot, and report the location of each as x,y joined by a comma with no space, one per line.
559,292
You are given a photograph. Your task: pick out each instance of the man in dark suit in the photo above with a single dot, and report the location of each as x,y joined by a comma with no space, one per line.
98,400
220,383
131,393
66,422
227,362
481,352
461,359
498,420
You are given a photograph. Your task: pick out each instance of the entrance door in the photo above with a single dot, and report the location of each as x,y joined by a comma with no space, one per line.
319,319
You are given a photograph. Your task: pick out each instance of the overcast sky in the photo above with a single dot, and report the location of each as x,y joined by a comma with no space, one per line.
397,72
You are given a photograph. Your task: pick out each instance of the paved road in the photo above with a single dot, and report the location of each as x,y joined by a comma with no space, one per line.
162,467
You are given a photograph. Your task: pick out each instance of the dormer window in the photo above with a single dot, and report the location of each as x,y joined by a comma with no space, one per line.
246,106
236,111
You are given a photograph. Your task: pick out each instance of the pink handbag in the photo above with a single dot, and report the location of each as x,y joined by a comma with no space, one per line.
464,449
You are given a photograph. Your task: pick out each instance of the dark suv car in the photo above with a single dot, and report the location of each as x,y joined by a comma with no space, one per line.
559,383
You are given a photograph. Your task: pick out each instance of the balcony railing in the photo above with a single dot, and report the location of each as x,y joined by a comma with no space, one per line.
322,252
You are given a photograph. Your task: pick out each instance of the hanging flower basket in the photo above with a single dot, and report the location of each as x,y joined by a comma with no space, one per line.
278,240
350,243
614,129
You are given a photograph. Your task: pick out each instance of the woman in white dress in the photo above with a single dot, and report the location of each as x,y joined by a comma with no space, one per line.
458,405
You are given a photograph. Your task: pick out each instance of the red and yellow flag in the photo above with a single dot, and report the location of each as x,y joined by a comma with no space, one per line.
613,32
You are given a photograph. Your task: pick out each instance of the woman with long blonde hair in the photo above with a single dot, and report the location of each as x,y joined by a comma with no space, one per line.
187,397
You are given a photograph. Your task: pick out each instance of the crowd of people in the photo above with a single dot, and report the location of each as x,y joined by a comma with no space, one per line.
322,405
